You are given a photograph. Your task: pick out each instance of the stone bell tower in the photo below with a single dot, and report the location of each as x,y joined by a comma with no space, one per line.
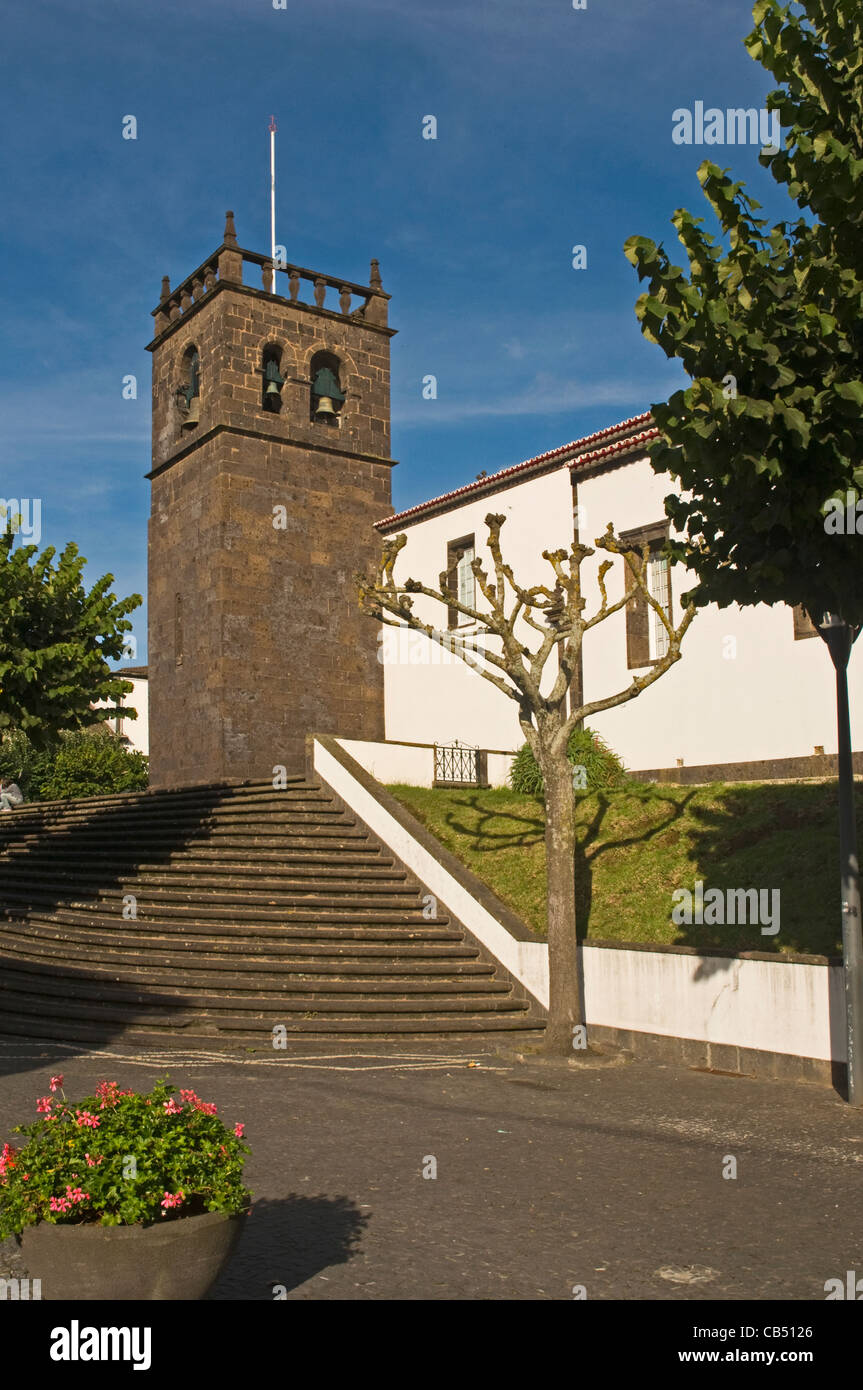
271,462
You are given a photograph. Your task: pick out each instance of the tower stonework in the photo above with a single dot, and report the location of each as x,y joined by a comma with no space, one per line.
263,500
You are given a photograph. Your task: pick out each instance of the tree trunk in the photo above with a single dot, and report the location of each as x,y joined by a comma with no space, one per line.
565,977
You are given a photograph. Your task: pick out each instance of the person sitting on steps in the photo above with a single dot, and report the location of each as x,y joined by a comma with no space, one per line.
10,795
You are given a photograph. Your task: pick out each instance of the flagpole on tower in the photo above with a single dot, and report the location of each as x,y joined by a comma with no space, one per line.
273,197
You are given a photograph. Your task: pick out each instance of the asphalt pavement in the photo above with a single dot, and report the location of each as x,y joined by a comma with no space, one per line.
603,1176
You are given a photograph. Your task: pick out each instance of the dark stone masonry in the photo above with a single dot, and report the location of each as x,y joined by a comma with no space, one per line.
260,519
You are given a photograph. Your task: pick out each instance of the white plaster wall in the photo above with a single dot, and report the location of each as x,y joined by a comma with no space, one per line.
775,698
791,1008
761,695
431,695
393,762
136,730
413,767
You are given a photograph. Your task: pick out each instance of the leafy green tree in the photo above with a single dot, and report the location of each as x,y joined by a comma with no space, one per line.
56,640
766,321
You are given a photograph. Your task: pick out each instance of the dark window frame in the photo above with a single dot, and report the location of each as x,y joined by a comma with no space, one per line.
638,610
449,577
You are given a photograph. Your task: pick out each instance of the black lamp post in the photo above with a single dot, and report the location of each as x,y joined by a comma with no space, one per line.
840,638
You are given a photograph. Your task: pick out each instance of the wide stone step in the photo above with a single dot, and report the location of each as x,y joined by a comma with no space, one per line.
237,937
279,872
25,993
314,804
370,862
152,902
451,1030
220,793
306,938
233,957
201,911
253,831
184,887
248,982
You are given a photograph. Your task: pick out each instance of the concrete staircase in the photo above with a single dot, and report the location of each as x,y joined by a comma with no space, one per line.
245,908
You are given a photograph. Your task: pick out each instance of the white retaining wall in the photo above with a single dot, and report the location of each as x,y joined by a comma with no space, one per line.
774,1006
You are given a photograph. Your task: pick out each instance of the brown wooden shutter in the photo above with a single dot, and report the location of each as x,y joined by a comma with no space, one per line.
454,552
449,580
637,618
803,624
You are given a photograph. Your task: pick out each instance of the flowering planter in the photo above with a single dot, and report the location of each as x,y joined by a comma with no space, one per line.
125,1194
179,1259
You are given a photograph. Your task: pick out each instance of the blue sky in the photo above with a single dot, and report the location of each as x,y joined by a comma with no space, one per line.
554,129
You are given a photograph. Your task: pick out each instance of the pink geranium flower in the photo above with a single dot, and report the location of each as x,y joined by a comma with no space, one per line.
171,1201
171,1107
109,1093
238,1130
84,1117
56,1082
43,1105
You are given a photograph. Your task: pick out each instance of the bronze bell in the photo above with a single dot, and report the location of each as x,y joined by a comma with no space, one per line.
193,414
327,390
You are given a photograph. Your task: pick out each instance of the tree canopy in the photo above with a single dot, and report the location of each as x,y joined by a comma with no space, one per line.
56,640
766,321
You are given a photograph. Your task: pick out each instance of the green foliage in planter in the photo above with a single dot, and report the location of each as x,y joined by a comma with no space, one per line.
603,770
92,763
119,1158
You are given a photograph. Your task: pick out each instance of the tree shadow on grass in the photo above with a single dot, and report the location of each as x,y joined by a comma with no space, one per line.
774,838
522,831
762,836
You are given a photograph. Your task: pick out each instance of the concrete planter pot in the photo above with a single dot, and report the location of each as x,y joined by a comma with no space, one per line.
179,1260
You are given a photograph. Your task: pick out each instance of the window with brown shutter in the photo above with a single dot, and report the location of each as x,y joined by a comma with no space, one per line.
646,637
459,578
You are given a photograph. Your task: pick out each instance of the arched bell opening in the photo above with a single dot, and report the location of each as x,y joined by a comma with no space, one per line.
272,379
326,396
188,394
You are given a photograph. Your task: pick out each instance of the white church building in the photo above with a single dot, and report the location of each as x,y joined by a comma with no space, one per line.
752,696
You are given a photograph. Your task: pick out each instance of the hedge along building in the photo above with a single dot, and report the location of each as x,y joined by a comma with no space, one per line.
753,694
271,463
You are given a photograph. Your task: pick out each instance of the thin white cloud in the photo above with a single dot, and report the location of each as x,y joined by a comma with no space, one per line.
539,398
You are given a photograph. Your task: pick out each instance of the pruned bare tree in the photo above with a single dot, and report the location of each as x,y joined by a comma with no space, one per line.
511,614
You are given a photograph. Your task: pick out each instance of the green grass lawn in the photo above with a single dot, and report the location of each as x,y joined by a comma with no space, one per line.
635,847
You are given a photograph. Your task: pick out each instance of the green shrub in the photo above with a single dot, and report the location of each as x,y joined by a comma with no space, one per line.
22,763
603,770
74,1168
91,763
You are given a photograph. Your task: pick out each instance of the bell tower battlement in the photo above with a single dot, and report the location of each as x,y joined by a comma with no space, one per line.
270,464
